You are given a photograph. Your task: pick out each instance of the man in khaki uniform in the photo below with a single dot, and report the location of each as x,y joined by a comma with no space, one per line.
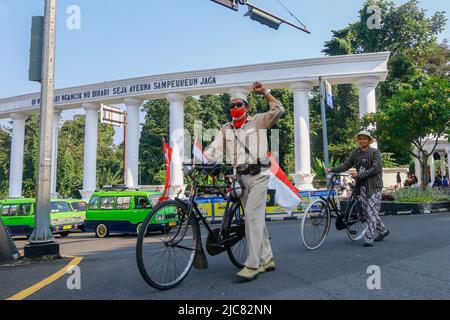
243,142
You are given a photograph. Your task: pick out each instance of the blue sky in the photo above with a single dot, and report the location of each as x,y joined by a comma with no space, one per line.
123,39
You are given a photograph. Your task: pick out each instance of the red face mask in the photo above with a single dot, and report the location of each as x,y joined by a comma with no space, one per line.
237,113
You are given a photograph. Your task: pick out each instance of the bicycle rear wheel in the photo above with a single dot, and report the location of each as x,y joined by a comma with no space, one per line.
356,224
315,224
235,233
164,260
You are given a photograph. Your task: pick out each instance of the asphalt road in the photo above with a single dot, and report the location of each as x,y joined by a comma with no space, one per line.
414,262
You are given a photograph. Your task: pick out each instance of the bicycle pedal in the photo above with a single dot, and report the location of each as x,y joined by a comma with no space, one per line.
200,260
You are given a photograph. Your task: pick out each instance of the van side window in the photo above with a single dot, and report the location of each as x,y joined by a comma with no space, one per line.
59,206
141,202
24,209
93,203
80,206
106,203
13,210
123,202
5,210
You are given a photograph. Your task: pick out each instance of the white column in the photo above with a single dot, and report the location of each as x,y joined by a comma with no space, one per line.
56,119
176,102
418,171
132,142
90,147
303,177
432,168
16,158
442,162
367,97
448,162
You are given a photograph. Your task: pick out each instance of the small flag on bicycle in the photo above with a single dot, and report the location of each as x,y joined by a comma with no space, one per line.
198,152
167,150
287,195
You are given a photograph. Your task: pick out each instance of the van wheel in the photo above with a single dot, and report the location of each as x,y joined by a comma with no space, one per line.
138,228
101,231
64,234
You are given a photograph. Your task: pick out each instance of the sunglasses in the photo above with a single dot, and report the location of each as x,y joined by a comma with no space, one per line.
238,105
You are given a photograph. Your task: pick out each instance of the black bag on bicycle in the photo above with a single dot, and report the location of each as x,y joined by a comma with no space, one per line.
340,223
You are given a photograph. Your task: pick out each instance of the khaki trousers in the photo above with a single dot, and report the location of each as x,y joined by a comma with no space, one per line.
254,200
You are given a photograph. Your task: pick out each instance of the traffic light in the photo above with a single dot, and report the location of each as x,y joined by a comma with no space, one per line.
263,17
269,19
36,45
232,4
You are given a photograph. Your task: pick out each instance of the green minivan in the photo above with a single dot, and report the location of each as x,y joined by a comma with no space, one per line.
124,211
18,217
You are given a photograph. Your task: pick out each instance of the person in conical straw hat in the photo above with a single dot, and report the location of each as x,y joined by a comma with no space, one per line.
243,142
369,184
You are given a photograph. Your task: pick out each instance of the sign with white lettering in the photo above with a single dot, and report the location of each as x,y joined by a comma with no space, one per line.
153,86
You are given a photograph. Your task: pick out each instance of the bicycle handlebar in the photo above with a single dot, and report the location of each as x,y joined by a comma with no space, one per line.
212,169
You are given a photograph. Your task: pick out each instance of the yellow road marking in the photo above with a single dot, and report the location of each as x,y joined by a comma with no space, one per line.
38,286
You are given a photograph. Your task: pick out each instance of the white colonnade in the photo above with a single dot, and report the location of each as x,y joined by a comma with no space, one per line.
363,70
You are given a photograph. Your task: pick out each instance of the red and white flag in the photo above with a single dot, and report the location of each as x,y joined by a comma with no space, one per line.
198,152
167,150
287,195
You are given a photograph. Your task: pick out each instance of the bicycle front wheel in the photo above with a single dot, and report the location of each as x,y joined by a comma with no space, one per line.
315,224
356,223
234,232
164,260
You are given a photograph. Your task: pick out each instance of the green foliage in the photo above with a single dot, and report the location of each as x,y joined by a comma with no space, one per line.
411,37
318,166
155,129
70,156
388,160
105,176
414,113
412,103
420,195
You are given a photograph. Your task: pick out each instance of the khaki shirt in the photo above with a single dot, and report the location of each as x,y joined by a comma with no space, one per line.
253,135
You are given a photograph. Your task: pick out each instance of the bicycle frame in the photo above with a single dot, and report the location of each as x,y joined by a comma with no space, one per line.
330,200
193,210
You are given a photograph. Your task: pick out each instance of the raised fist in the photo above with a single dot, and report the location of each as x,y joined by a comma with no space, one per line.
258,88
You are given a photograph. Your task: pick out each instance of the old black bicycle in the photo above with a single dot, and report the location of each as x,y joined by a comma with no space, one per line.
164,261
317,218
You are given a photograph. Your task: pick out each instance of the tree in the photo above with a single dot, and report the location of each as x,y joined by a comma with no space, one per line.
210,110
155,129
410,36
71,156
416,115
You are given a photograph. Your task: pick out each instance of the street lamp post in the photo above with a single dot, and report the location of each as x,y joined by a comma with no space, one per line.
42,242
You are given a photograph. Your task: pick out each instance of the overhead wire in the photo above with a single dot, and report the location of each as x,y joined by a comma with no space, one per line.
290,12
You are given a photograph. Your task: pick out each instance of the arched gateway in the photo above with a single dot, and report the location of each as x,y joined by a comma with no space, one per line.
363,70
